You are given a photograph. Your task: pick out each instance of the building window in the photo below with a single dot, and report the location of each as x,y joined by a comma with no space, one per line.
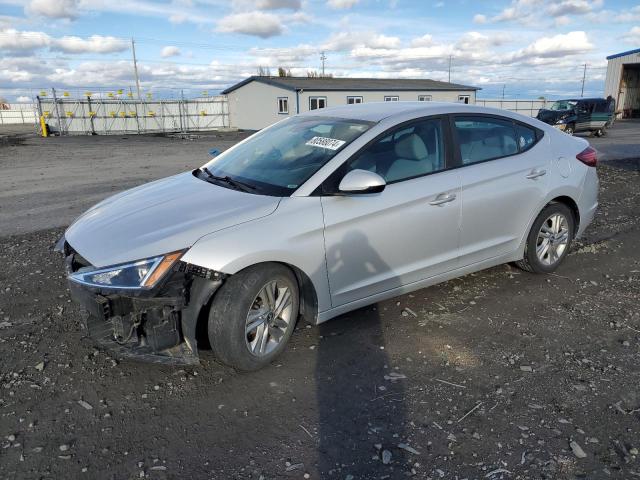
352,100
424,98
283,105
317,102
391,98
463,98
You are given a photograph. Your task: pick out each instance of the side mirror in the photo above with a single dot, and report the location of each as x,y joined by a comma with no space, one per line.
362,181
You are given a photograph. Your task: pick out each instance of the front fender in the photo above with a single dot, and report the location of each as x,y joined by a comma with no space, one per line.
292,235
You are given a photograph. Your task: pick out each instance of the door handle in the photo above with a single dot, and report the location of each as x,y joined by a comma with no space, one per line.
536,173
443,198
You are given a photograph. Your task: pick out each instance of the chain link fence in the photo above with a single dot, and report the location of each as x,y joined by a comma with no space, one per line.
112,116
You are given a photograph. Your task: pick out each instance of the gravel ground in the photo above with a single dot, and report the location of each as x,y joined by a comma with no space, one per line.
46,183
497,375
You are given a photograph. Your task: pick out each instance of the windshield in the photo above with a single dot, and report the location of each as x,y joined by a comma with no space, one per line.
563,105
276,161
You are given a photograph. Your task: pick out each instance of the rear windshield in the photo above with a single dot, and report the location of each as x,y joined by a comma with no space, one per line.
276,161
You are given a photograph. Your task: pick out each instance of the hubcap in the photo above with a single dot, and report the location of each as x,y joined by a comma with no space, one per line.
268,318
553,239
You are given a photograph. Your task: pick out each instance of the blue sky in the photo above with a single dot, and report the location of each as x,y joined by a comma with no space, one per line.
529,48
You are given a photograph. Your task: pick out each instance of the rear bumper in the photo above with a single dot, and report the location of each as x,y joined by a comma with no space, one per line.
588,203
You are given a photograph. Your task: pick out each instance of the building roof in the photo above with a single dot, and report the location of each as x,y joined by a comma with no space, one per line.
377,111
623,54
352,84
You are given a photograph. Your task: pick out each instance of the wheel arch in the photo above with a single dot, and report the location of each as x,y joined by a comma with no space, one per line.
572,205
308,300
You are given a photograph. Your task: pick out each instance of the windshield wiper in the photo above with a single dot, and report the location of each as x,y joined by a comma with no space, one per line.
238,185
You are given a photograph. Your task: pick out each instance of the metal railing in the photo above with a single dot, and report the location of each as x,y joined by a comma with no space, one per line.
111,116
18,114
525,107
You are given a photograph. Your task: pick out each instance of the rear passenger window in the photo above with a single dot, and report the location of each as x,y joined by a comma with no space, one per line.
526,137
483,138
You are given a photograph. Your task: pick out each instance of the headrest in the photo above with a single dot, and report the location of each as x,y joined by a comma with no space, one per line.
411,147
495,138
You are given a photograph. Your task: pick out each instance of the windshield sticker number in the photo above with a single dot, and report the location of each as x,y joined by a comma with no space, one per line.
324,142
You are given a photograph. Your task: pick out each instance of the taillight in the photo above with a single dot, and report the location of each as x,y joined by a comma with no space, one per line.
588,156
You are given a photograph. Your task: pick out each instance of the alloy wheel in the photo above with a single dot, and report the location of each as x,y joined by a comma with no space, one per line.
553,239
268,318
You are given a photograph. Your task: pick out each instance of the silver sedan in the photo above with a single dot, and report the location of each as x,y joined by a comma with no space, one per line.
320,214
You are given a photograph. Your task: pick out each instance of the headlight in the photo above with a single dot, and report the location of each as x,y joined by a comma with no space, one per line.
141,274
560,122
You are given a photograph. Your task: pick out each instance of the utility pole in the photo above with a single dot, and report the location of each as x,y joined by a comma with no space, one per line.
323,57
450,57
584,76
503,87
135,67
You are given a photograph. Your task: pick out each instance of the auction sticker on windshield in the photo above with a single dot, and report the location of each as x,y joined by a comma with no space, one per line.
324,142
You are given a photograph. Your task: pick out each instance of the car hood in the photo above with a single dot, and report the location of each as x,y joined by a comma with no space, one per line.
161,217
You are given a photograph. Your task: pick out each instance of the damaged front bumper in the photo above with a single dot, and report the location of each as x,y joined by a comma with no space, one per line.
156,325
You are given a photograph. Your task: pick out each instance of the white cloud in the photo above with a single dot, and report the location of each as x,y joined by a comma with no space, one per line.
347,40
630,15
15,40
535,12
24,41
258,24
423,41
53,8
24,99
342,4
561,45
382,41
479,19
572,7
632,36
472,41
169,51
93,44
562,21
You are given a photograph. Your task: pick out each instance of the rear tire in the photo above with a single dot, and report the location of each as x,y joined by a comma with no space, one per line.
549,239
253,316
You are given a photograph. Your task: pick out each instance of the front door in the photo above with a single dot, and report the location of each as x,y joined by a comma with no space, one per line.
377,242
505,168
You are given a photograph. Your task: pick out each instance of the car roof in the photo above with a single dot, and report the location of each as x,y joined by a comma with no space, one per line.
378,111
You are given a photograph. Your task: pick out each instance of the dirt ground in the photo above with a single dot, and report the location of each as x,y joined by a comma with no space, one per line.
47,183
497,375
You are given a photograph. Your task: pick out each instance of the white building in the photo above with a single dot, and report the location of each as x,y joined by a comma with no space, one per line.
623,82
258,102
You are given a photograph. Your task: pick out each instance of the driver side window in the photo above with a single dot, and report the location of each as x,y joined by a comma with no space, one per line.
409,151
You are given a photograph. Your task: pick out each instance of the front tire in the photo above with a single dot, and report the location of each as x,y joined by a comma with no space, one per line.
570,129
253,316
549,239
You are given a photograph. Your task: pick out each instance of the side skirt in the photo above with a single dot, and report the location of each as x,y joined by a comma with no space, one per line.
412,287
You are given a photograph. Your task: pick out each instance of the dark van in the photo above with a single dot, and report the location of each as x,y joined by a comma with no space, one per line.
593,115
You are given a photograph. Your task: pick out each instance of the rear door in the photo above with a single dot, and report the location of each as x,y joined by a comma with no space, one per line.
379,242
504,170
